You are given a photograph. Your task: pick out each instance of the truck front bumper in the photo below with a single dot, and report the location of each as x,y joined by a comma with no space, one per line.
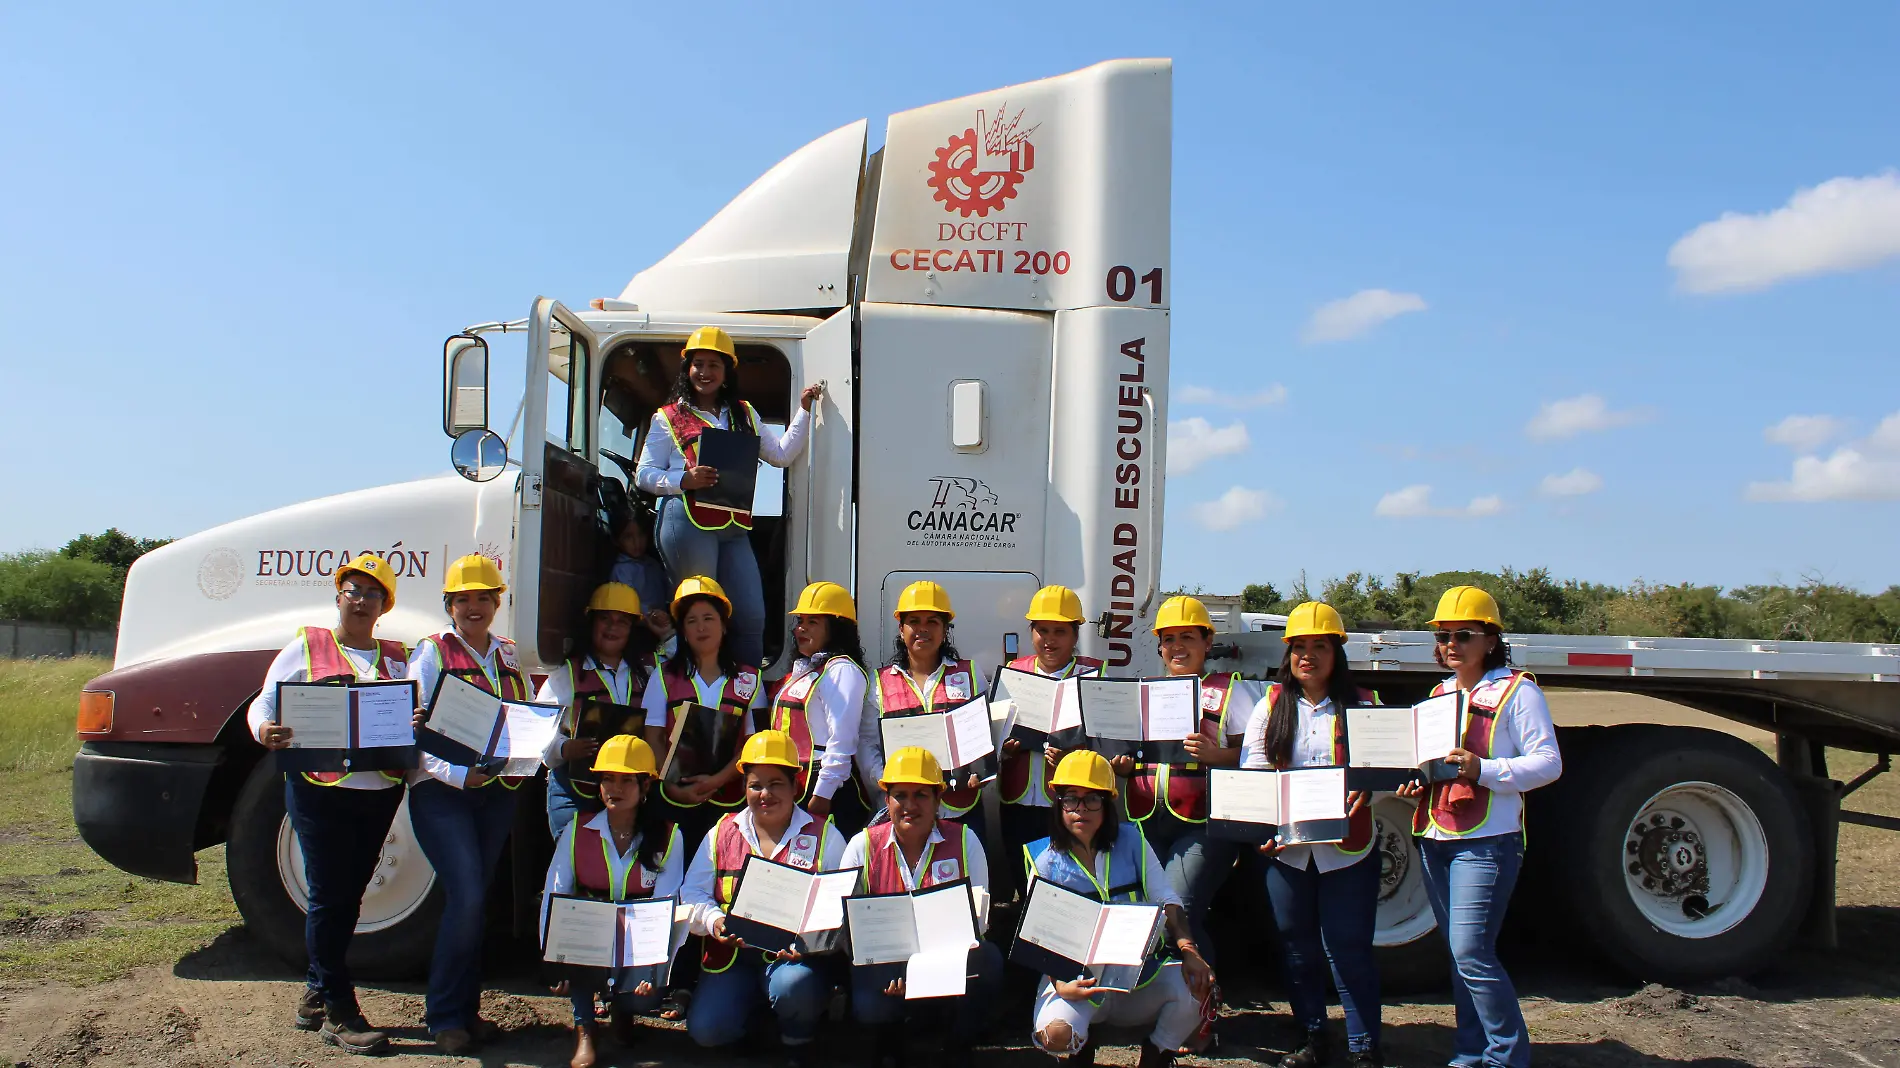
137,805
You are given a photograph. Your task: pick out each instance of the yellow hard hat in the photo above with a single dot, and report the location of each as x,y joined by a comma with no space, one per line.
826,599
924,596
701,586
1467,602
770,747
1087,769
1182,611
1313,617
627,755
711,339
375,568
614,597
473,572
914,765
1055,604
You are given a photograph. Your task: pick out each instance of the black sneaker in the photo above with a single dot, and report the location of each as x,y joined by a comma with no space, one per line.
353,1034
1153,1056
1365,1058
309,1010
1315,1052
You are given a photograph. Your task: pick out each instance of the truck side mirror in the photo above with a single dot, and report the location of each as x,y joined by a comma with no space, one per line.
464,384
478,454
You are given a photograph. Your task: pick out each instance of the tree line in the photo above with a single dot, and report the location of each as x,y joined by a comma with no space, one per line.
78,585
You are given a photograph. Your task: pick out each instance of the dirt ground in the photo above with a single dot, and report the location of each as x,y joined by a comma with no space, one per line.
229,1002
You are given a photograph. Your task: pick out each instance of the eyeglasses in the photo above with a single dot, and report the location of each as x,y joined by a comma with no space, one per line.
1446,637
1080,802
358,593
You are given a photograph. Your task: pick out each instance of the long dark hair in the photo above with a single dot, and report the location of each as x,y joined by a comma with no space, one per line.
683,391
900,656
638,654
1498,656
1105,835
684,661
1340,686
841,639
656,831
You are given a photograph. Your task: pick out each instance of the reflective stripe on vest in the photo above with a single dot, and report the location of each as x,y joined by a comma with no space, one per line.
1024,771
584,683
730,850
1184,788
325,661
735,699
593,866
1359,828
684,425
884,866
1456,812
1124,861
954,684
457,659
791,704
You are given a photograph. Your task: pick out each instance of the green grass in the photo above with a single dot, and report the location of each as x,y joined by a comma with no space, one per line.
47,874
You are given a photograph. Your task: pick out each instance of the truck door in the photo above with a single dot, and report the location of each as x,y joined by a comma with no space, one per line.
824,480
558,545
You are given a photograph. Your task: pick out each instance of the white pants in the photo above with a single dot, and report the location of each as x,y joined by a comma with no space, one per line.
1165,1002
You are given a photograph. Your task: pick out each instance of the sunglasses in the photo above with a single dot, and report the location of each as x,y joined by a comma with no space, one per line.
1083,803
1446,637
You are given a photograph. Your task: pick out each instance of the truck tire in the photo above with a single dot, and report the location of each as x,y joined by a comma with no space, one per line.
401,908
1685,853
1411,954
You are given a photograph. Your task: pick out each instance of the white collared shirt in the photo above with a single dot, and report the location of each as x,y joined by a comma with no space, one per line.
1313,739
871,735
976,864
700,890
425,666
561,880
289,667
662,467
1524,756
653,700
558,689
833,709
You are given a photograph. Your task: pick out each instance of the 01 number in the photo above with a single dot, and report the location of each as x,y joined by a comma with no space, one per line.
1122,284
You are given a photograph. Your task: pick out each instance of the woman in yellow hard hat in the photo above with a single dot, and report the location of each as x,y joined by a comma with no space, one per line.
697,539
704,672
595,689
1471,829
1091,851
734,981
909,847
1055,627
1170,800
925,674
1325,898
627,851
461,815
341,820
820,703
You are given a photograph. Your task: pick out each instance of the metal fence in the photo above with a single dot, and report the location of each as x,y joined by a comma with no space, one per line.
20,641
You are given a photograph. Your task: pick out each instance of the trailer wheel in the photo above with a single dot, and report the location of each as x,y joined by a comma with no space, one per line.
401,908
1689,857
1411,955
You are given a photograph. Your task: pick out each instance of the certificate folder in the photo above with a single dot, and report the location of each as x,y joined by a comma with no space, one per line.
365,726
1387,747
1029,702
1065,935
923,937
472,728
586,937
777,906
601,720
960,738
704,742
1141,718
1296,807
736,456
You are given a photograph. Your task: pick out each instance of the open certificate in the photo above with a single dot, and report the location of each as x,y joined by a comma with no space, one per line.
1028,700
1142,718
1388,747
923,938
1066,935
366,726
960,738
1295,807
777,906
472,728
586,934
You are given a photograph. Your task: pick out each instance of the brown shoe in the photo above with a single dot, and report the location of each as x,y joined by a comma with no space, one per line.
353,1035
484,1030
584,1055
455,1042
309,1010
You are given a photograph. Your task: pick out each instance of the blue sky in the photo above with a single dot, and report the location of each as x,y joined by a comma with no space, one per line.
228,238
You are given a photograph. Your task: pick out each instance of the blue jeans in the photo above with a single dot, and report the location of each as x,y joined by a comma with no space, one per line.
722,1006
968,1015
461,832
1332,913
1197,866
563,803
621,996
1469,883
341,832
724,555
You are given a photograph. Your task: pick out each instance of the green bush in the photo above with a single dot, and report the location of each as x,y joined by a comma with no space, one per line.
46,587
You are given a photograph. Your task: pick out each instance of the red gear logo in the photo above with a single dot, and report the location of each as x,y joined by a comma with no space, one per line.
976,178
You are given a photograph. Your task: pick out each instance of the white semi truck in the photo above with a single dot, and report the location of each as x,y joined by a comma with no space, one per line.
986,300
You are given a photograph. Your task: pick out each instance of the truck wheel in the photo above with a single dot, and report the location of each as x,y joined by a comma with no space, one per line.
1411,955
401,908
1688,856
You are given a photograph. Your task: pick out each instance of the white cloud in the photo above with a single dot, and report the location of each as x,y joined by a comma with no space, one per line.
1416,500
1352,316
1805,433
1193,442
1575,484
1235,508
1843,224
1273,394
1577,415
1864,470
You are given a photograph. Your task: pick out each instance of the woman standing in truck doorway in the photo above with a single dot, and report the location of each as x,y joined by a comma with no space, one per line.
820,703
603,670
925,674
1325,898
461,815
696,539
1471,829
340,820
1055,625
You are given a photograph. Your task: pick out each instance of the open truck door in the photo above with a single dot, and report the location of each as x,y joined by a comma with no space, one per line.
824,480
558,541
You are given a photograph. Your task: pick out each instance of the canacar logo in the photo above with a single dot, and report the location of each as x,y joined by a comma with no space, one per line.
978,171
965,512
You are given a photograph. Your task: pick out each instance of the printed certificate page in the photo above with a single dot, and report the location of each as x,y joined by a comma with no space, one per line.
1380,737
1314,794
883,930
581,932
826,911
385,715
1173,707
646,933
1435,720
930,732
1060,920
1111,708
1068,700
463,712
317,715
527,730
970,729
1033,697
1245,796
775,895
1123,934
945,918
936,973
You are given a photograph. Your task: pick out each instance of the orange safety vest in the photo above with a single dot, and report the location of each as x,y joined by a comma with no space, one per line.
1019,771
325,661
1460,806
734,700
458,660
943,861
1359,830
1184,788
730,850
684,425
898,696
791,701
